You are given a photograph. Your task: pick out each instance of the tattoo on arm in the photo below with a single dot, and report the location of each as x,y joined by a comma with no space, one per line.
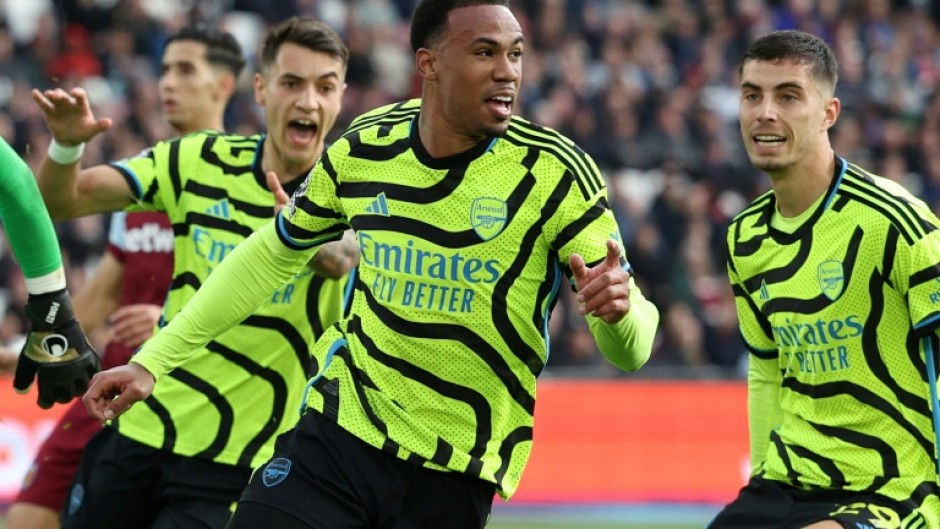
335,259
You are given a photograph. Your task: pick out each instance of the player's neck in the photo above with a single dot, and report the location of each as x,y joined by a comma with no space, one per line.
285,169
798,188
200,125
207,121
438,137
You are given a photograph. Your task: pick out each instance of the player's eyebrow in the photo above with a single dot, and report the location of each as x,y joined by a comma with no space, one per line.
296,77
787,85
489,41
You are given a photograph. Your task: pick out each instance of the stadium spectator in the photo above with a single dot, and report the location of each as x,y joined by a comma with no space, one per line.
183,459
469,221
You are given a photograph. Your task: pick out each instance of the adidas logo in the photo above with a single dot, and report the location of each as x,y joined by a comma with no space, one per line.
331,386
379,206
220,209
764,292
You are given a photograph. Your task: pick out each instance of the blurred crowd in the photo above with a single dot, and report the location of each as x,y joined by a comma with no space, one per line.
648,88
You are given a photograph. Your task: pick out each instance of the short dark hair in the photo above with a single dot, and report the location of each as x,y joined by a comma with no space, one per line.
429,20
305,32
802,47
222,49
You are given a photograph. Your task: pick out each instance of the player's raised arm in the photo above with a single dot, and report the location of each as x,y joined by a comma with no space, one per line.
67,190
622,321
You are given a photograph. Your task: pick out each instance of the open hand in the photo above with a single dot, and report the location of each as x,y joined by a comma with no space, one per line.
68,115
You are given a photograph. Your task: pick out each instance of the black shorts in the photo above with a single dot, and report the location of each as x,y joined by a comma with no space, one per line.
766,504
323,477
121,483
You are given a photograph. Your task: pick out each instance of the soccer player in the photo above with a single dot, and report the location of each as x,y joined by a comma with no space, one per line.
836,274
183,458
468,221
56,352
200,68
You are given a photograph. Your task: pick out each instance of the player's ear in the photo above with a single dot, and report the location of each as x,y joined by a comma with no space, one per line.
833,108
426,63
259,89
226,85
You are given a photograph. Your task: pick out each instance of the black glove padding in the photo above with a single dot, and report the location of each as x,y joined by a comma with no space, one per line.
56,351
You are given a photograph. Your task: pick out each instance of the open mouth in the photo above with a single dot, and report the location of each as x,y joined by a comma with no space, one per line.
769,140
501,106
302,130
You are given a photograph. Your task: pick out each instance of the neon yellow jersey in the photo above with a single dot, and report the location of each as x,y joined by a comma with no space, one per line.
231,399
461,261
847,307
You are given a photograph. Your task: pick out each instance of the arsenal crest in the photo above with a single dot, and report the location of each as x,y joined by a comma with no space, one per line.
831,279
488,217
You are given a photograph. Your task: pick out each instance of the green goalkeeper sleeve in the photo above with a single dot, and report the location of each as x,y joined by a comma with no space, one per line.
25,218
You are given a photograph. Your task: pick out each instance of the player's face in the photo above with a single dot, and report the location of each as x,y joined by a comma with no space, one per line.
190,88
479,67
302,94
784,113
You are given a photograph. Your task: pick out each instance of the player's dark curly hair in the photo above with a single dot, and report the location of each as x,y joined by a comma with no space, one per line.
429,20
802,47
306,33
222,49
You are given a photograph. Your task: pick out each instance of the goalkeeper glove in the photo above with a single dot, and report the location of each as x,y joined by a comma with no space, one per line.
56,351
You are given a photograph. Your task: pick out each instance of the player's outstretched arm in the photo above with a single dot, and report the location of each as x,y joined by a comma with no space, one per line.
622,321
68,192
258,266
